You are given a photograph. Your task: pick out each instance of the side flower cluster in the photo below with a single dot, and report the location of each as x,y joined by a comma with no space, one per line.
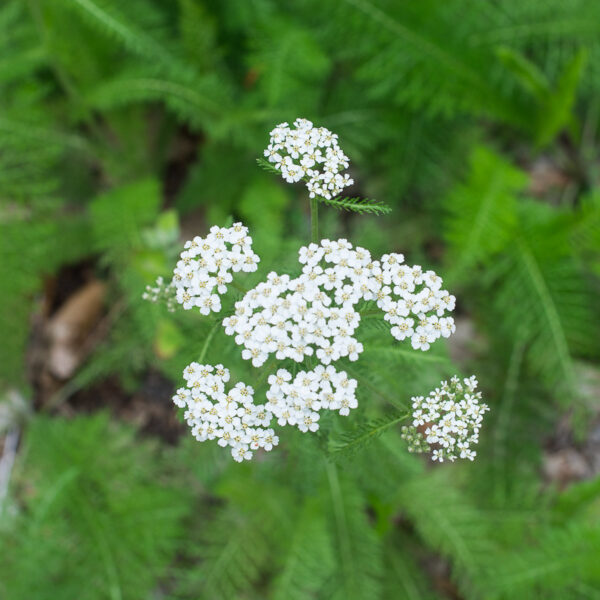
447,421
414,302
311,314
206,264
310,153
231,417
298,401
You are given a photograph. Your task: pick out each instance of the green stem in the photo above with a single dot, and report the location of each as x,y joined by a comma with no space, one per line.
314,220
238,287
207,341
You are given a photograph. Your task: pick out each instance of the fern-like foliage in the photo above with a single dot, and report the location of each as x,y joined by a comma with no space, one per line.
541,296
114,513
357,546
554,311
309,560
481,212
358,205
363,435
265,165
29,251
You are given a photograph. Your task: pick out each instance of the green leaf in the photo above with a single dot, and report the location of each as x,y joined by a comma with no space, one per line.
529,75
118,217
555,113
264,164
542,297
308,562
103,500
358,205
357,547
363,435
481,212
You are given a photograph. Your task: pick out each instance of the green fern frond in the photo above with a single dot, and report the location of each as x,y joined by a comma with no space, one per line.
361,206
291,64
109,19
585,236
405,355
119,215
364,434
404,575
481,211
308,562
560,564
237,545
103,500
358,549
543,296
265,165
447,520
193,103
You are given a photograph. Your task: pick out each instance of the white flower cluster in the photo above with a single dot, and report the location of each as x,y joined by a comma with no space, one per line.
310,153
297,402
413,301
448,419
161,292
206,265
231,417
311,314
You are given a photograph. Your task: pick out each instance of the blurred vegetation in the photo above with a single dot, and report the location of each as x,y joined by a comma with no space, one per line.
126,127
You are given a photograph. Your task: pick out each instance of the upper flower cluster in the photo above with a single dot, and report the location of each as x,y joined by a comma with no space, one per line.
297,402
449,419
309,153
408,291
206,264
231,417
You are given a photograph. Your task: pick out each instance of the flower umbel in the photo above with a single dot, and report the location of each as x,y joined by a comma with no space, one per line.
447,421
312,314
206,264
312,154
231,417
298,402
414,302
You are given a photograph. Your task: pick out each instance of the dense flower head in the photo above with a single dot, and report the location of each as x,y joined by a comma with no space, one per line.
447,421
414,302
312,314
305,152
298,401
228,416
206,264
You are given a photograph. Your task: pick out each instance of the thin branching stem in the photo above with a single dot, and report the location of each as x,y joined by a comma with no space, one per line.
314,220
207,341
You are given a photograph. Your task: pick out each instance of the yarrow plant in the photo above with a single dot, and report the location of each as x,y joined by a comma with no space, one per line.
311,320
